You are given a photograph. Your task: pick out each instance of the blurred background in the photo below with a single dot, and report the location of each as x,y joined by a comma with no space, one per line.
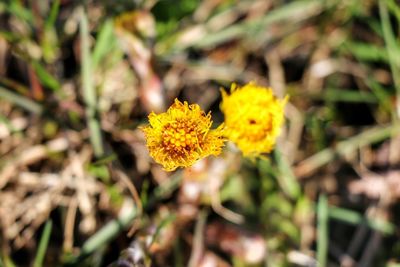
78,187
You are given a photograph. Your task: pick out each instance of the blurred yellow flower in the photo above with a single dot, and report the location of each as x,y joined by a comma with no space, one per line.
182,135
253,117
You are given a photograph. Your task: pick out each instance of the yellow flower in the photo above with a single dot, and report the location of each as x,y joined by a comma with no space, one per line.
253,118
182,135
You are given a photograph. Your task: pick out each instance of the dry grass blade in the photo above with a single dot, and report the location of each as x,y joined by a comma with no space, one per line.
198,242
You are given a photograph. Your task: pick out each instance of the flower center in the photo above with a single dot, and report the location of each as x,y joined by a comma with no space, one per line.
256,130
180,137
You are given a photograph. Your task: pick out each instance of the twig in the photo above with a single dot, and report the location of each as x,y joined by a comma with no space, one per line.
224,212
198,242
132,189
69,225
135,195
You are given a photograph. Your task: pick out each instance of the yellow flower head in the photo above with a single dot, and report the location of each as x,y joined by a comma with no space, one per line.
182,135
253,118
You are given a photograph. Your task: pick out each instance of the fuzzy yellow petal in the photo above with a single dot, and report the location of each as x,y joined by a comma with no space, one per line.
253,117
182,135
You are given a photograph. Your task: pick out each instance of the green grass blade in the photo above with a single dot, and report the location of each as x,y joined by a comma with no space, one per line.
287,179
346,95
393,49
45,77
16,8
89,93
104,43
355,218
343,148
20,101
43,243
322,230
107,233
367,52
51,20
49,41
394,8
381,93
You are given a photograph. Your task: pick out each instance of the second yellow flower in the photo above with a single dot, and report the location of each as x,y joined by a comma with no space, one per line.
253,118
